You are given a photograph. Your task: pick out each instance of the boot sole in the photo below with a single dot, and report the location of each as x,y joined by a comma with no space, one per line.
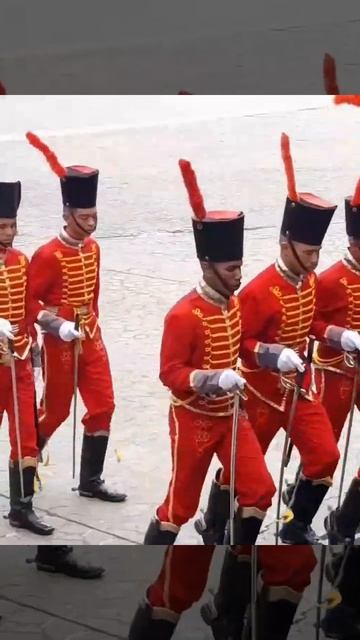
85,494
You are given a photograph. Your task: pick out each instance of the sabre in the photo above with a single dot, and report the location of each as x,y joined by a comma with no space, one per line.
254,559
234,435
349,429
76,378
319,601
297,392
16,415
309,358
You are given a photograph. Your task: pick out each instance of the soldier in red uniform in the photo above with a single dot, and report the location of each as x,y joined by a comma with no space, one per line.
338,301
278,308
17,397
182,581
199,354
64,285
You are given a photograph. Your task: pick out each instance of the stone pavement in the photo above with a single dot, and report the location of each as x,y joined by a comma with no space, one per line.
41,606
148,263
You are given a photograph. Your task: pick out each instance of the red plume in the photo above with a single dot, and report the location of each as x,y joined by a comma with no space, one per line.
355,100
49,155
2,90
195,197
329,74
355,201
289,167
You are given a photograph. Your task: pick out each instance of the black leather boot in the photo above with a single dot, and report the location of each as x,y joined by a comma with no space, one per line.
274,618
61,559
343,621
307,501
225,612
246,530
342,523
92,465
156,535
21,514
145,627
212,524
288,492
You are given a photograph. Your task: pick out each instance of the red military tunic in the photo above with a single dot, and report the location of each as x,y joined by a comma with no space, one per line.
184,574
13,281
64,280
338,301
279,311
202,333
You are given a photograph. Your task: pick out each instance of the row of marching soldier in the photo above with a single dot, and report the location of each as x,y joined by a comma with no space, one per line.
58,291
269,324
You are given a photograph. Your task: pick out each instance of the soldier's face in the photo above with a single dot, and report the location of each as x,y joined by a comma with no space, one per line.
82,222
308,255
224,277
8,230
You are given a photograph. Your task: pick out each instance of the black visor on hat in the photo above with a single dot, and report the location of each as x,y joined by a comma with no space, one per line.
219,240
10,197
79,187
305,223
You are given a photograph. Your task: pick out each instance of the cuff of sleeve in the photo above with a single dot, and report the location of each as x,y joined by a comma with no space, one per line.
267,355
204,382
333,337
50,323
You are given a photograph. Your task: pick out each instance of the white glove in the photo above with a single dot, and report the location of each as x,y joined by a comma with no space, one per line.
289,360
350,340
231,381
5,329
67,331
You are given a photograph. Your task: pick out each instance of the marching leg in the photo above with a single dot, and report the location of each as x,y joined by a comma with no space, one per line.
343,621
22,515
180,583
212,524
342,523
92,464
225,612
308,498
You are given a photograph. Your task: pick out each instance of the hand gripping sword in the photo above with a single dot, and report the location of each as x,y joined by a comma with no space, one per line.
285,454
16,415
354,362
76,380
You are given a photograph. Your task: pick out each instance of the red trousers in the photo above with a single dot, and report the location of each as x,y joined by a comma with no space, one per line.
195,438
94,383
312,433
335,393
184,574
25,397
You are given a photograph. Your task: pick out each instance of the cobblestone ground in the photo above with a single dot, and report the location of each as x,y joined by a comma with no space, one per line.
42,606
148,263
